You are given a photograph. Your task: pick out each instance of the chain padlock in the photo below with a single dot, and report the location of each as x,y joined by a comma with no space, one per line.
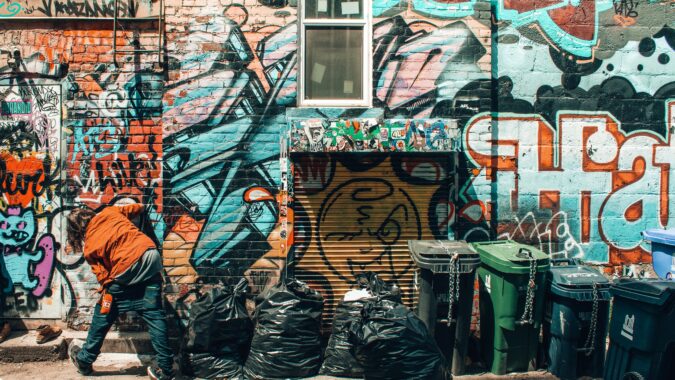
453,282
528,313
589,346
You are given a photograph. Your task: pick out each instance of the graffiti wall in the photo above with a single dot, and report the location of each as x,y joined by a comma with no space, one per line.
30,119
560,111
78,130
15,9
356,213
228,106
592,74
577,159
416,135
114,150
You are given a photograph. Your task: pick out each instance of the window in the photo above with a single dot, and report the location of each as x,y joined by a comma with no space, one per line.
335,53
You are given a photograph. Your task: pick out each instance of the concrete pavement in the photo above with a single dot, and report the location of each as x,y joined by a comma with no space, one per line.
111,366
124,357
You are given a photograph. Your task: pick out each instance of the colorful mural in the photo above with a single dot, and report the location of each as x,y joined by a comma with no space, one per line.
356,213
598,185
416,135
560,111
102,152
75,9
29,174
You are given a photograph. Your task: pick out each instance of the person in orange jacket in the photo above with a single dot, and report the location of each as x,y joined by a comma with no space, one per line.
128,267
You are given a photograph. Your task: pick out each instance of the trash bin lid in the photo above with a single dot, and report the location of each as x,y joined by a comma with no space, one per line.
573,280
651,291
658,235
435,254
511,257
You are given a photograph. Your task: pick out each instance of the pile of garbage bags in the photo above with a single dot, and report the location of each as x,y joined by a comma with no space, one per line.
374,335
391,342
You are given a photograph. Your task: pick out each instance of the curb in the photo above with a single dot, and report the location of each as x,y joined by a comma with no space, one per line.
22,347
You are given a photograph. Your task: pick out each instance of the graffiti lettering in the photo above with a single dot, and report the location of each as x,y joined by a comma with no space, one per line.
84,8
101,138
616,184
626,8
15,108
21,180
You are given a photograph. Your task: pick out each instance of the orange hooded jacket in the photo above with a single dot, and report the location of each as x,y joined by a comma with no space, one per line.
113,243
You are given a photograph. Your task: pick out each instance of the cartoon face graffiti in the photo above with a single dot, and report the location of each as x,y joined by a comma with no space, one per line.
16,226
360,221
32,268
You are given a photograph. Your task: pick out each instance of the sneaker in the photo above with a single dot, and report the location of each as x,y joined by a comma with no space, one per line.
84,369
5,331
47,333
155,373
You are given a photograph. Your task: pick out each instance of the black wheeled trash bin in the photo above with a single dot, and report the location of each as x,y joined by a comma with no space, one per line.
642,331
575,320
445,275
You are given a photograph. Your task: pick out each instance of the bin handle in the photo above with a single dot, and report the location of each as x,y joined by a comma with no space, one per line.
527,252
566,260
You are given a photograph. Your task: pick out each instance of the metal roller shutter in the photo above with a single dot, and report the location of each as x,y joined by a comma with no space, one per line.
356,212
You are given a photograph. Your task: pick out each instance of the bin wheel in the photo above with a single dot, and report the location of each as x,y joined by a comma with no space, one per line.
632,376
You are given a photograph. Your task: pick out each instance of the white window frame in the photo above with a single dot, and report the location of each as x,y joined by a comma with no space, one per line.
367,76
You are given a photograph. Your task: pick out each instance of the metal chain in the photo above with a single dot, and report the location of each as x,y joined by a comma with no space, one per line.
453,283
589,346
529,297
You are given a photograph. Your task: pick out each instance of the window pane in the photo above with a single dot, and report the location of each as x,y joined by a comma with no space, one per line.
334,63
335,9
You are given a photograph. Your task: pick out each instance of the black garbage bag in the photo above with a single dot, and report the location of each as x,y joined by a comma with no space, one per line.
210,366
338,358
372,282
219,333
391,342
287,337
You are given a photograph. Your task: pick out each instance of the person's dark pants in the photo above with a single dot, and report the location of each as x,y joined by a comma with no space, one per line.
146,300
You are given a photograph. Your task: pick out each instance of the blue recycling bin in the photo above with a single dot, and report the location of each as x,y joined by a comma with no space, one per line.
663,251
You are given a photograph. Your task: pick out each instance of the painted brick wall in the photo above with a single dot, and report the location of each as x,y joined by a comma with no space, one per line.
562,114
230,94
577,158
94,133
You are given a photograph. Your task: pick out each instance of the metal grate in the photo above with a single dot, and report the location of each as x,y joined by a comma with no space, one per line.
356,213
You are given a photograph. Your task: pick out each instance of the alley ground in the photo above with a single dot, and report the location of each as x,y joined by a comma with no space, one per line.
128,367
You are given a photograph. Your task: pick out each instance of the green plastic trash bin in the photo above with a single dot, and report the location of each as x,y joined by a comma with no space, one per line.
512,285
642,331
575,320
446,268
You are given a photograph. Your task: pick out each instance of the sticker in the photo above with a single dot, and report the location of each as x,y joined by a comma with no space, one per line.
348,87
317,73
322,6
350,8
628,327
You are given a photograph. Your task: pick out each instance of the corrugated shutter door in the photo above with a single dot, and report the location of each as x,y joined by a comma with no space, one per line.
355,213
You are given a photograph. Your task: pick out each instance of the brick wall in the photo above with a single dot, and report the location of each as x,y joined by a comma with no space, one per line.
562,117
93,130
